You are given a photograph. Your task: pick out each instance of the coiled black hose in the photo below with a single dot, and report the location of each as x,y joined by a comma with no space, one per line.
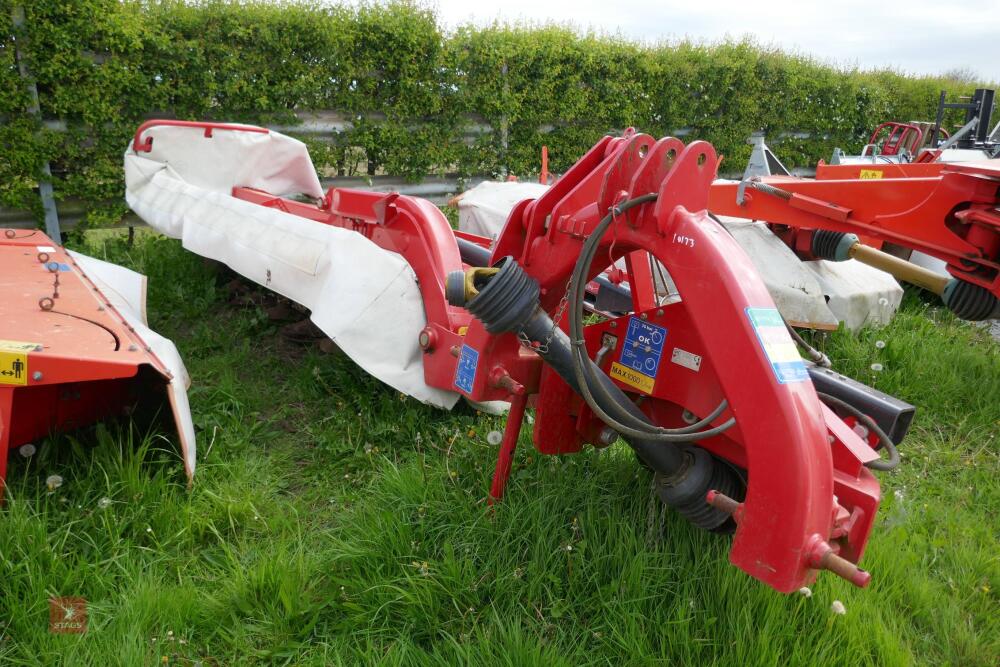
622,421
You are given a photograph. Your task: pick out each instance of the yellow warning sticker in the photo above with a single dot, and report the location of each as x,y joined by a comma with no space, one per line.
14,360
871,173
632,378
13,367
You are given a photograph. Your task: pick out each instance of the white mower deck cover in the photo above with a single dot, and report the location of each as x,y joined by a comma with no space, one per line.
363,297
126,291
483,210
816,294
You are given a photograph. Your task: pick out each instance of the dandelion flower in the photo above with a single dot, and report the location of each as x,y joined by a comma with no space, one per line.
877,367
53,482
806,592
27,451
838,608
104,503
494,437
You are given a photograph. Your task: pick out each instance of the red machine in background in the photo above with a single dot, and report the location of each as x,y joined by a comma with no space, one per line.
71,352
710,390
946,210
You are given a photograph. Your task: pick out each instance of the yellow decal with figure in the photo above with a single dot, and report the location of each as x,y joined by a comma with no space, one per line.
871,173
14,361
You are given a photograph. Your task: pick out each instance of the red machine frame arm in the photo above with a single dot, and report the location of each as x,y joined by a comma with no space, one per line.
951,215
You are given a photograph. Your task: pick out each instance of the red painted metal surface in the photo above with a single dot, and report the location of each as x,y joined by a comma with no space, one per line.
67,357
948,211
809,497
834,172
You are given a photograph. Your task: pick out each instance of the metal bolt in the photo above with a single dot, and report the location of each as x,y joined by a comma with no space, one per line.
36,376
644,316
614,325
659,312
133,347
689,417
608,435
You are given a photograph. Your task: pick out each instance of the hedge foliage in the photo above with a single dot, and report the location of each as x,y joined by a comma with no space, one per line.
420,101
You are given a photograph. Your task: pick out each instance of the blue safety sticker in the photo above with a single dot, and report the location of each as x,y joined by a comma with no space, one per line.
465,373
643,347
52,267
777,345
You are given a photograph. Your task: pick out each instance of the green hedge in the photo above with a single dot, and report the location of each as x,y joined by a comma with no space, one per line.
415,94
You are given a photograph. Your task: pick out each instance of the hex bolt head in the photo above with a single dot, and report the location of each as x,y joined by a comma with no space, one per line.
133,347
36,376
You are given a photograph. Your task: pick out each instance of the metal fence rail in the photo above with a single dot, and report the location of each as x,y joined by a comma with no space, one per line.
322,125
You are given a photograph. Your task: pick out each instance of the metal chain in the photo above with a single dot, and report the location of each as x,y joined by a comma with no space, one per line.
556,317
560,311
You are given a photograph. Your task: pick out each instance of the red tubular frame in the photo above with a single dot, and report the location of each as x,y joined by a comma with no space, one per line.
146,146
809,494
899,131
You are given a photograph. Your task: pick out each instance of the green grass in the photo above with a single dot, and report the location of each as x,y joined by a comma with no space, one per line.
334,521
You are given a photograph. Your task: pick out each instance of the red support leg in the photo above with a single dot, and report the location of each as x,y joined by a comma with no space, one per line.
640,281
506,455
6,405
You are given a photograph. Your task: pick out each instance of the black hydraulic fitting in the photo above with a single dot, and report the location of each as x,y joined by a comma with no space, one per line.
832,246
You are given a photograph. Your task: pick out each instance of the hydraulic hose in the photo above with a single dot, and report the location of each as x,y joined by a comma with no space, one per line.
885,440
587,378
815,355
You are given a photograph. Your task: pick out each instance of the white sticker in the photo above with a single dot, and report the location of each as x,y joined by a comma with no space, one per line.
686,359
45,248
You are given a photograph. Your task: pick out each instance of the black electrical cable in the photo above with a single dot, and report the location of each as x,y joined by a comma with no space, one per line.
583,371
890,446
